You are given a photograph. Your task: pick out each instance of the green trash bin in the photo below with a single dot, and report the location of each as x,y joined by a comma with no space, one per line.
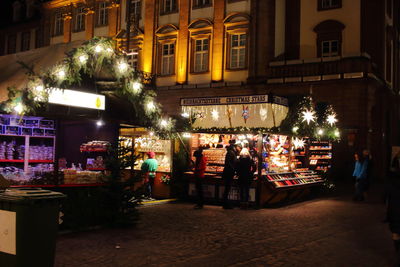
28,227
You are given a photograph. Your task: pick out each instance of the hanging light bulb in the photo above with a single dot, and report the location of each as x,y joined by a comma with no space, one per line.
99,123
295,129
320,132
337,133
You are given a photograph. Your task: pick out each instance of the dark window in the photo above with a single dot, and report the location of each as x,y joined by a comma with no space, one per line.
329,38
200,55
167,59
102,14
38,38
237,52
79,22
58,24
12,44
169,6
389,7
329,4
25,41
202,3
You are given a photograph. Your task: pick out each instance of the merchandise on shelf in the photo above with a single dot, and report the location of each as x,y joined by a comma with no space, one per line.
320,155
290,179
95,146
72,176
275,153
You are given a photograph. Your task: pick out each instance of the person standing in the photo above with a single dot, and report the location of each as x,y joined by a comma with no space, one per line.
360,173
229,172
393,204
199,170
245,173
149,168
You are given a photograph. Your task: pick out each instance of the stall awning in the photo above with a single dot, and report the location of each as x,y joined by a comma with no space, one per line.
13,74
255,111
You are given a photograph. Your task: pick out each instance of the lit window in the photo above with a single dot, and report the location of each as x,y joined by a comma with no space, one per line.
201,55
25,41
330,48
201,3
58,24
238,51
168,6
167,59
102,18
79,20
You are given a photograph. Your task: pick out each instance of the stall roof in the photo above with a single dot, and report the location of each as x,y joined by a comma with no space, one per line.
14,74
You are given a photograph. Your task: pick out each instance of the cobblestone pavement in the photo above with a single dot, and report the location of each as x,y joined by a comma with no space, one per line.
323,232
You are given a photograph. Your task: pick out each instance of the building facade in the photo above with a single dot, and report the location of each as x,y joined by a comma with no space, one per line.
343,52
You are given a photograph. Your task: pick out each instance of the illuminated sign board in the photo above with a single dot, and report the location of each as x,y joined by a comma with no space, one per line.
77,99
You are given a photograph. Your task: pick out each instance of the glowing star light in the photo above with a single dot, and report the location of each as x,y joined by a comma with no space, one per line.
308,116
298,143
215,115
331,119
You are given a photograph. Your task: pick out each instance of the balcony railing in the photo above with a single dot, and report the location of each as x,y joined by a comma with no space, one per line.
320,67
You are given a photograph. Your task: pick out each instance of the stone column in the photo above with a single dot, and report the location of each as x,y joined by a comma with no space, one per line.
90,21
148,41
67,27
217,69
183,41
113,18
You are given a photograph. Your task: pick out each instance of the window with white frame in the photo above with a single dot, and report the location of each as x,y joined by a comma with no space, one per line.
202,3
102,14
58,23
237,51
167,59
200,55
135,8
330,48
25,41
133,57
168,6
79,23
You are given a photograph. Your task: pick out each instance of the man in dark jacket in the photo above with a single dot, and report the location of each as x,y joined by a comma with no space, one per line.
229,172
393,204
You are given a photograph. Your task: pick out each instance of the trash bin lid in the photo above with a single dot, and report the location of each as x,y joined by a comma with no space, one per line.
18,194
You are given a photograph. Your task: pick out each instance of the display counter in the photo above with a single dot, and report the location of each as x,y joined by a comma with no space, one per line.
282,175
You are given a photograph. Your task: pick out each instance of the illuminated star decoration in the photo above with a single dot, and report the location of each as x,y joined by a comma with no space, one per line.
215,115
331,119
308,116
298,143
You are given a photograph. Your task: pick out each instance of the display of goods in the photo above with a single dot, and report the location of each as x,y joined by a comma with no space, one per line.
13,173
145,144
31,122
13,130
69,176
37,132
47,124
40,168
26,131
216,156
16,121
41,152
95,146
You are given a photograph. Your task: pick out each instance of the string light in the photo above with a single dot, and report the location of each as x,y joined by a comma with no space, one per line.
164,123
19,108
320,132
98,48
61,74
136,86
99,123
337,133
150,106
185,115
295,129
122,66
83,59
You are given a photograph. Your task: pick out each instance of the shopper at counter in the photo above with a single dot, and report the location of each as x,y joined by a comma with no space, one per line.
229,172
245,173
149,168
199,170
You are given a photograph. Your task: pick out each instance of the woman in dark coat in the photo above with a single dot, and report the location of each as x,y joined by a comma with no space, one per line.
245,172
393,202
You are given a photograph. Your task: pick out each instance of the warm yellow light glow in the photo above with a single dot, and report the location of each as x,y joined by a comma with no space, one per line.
337,133
164,123
61,74
136,87
19,108
122,66
320,132
98,48
185,115
295,129
150,106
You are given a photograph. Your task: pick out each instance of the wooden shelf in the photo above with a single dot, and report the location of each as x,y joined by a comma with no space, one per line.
22,161
12,160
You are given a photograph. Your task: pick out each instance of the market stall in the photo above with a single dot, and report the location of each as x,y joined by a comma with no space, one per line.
141,141
283,161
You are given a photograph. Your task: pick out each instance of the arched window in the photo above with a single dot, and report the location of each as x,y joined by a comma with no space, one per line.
166,52
329,38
